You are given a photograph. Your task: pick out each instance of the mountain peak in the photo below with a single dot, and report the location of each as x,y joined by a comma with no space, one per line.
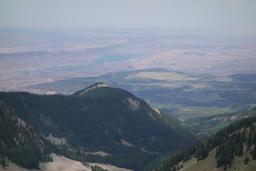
100,118
91,87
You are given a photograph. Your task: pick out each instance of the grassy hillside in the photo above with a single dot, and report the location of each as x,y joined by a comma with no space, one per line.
209,164
232,147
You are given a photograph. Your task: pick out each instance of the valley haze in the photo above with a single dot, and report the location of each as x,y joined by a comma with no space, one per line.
127,85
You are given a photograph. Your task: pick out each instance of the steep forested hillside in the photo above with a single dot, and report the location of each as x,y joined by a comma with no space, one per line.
232,147
19,142
122,127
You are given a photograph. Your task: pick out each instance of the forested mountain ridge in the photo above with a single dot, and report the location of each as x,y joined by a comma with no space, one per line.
234,147
19,142
105,119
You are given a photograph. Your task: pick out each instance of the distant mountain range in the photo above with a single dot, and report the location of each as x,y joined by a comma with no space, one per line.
97,124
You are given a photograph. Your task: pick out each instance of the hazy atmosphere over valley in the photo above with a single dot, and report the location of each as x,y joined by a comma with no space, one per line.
147,85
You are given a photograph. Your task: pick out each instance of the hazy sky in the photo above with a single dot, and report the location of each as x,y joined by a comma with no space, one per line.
238,16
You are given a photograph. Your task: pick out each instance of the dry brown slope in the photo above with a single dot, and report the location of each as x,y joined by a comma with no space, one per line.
209,164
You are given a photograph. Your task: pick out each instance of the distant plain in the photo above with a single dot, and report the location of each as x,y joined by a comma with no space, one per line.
187,76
